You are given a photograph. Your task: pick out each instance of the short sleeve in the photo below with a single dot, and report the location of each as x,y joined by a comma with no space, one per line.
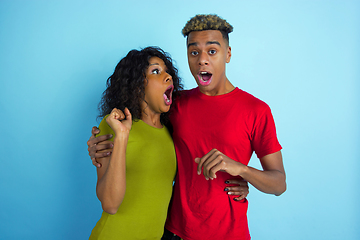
264,140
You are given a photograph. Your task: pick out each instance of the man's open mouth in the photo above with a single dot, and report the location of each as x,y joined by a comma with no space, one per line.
168,95
205,78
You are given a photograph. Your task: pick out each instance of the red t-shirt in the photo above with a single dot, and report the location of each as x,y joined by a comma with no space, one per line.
236,124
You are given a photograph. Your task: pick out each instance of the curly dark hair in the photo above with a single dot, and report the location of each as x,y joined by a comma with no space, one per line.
202,22
125,87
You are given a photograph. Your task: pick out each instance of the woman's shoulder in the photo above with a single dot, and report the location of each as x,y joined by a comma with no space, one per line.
105,128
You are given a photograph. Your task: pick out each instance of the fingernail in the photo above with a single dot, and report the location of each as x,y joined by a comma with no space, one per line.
207,178
235,199
226,189
226,181
230,193
198,173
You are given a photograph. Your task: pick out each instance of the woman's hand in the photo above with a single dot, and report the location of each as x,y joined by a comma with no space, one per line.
119,122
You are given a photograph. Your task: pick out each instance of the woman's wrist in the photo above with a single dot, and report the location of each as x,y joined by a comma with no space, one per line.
121,136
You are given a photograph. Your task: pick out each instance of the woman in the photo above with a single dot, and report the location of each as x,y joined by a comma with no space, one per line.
135,183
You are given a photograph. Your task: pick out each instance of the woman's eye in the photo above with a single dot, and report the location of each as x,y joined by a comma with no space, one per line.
212,52
194,53
155,71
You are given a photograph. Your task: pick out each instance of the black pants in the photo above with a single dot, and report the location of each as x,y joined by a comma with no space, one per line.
169,236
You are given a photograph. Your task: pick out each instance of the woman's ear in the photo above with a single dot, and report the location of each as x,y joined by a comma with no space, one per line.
145,81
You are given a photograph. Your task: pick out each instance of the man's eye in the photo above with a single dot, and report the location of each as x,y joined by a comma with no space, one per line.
212,52
194,53
155,71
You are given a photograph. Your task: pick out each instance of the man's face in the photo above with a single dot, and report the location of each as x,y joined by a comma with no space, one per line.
208,54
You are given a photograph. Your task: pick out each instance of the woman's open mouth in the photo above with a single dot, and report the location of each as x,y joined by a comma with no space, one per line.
168,95
204,78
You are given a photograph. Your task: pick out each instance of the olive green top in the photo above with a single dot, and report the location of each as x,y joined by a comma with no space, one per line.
150,172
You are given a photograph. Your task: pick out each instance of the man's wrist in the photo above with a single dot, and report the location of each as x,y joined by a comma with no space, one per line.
243,169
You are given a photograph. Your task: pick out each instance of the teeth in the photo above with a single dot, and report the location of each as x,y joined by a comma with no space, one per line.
203,72
167,95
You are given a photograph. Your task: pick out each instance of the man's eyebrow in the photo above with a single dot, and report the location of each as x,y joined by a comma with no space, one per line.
192,44
207,43
213,42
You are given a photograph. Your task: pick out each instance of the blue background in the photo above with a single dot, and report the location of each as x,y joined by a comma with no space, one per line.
301,57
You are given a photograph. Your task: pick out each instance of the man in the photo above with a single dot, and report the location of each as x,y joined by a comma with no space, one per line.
216,129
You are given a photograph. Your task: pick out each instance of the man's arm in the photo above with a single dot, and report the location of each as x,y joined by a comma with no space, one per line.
271,179
97,150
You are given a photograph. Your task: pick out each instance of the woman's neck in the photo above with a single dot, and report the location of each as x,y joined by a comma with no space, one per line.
151,119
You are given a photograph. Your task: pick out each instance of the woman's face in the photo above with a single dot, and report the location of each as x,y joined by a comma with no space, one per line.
158,86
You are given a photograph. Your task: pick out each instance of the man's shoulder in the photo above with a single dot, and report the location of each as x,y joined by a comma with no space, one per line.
185,94
251,101
189,91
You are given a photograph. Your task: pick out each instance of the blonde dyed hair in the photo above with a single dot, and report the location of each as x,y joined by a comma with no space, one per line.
202,22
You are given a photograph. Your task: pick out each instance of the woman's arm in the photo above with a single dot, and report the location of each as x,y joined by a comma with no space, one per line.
111,184
99,147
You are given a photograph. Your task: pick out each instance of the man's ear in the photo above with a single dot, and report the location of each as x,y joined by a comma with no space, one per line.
228,54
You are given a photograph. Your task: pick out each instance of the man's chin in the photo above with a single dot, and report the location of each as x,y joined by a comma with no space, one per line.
203,83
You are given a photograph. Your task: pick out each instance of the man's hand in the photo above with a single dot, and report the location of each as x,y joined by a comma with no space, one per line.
94,147
241,188
271,179
215,161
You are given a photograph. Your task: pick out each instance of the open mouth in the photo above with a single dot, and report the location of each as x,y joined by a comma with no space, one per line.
168,95
205,78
